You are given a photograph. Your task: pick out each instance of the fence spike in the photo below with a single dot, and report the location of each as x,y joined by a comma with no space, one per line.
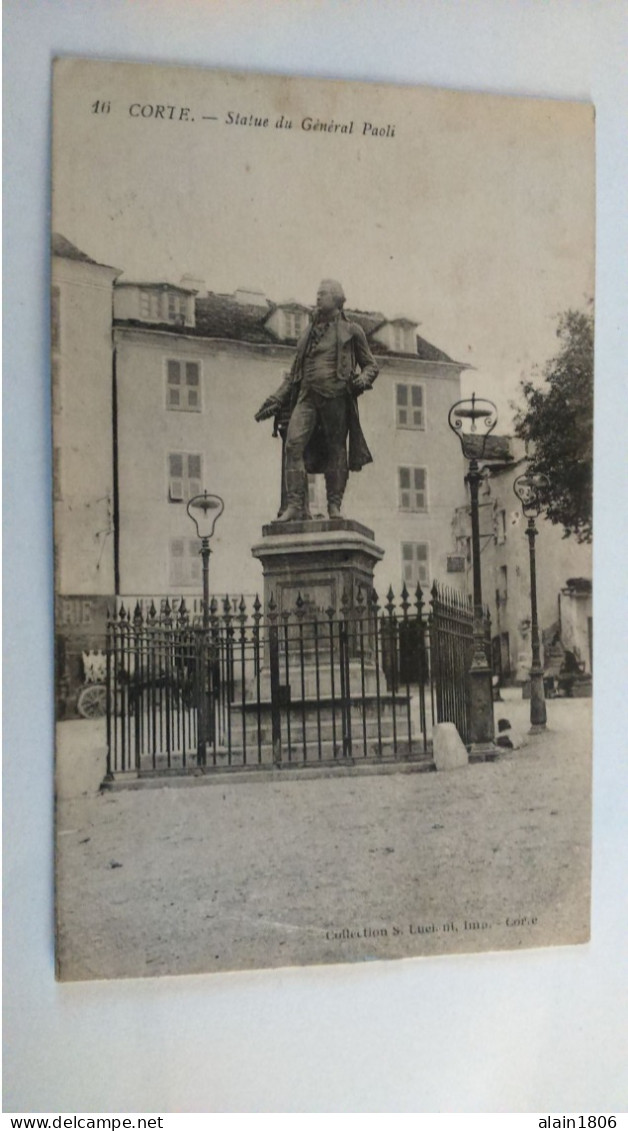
167,610
257,604
405,604
122,612
152,612
242,605
390,601
137,614
360,597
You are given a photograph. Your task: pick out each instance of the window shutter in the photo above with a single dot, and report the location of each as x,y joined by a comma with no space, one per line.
402,402
176,477
419,488
417,406
414,556
194,475
404,488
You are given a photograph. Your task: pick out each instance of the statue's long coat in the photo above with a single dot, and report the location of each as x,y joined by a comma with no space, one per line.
354,357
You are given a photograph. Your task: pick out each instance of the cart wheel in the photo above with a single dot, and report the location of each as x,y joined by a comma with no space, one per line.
92,701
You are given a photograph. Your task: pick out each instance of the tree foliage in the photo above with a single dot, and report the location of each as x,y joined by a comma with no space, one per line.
556,420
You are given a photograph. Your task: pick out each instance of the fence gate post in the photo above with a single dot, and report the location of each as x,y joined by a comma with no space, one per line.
345,684
202,638
275,695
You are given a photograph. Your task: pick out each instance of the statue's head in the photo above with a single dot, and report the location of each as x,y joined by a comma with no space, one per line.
330,296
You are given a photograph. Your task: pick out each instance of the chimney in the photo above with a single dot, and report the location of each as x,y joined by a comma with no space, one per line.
194,283
246,296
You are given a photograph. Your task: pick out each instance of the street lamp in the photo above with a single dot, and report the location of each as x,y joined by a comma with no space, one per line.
472,420
529,489
205,510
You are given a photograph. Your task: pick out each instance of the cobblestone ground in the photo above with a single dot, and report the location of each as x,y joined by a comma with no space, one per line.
231,875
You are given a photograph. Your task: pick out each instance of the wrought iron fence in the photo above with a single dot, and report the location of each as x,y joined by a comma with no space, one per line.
256,689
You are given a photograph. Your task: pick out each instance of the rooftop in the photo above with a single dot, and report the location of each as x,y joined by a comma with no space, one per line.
228,317
65,250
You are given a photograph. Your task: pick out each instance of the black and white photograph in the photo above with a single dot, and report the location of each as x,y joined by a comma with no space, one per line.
322,411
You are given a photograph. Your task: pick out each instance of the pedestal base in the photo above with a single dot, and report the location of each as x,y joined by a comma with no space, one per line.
318,582
325,562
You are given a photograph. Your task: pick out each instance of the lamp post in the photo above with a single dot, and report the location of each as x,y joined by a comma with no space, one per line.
204,510
472,420
529,488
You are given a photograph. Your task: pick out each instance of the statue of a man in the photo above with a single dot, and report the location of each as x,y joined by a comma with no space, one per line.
333,365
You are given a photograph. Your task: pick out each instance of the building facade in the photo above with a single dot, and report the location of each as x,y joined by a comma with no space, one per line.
186,396
155,387
83,460
563,568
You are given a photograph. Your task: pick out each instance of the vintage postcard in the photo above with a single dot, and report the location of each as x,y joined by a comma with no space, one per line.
322,371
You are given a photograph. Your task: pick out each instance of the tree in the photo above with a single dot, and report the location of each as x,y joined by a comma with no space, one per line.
557,423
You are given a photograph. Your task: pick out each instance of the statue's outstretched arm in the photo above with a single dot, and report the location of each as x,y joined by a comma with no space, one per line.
273,405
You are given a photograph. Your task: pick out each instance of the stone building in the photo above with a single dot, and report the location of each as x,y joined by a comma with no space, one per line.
83,462
187,388
155,387
563,571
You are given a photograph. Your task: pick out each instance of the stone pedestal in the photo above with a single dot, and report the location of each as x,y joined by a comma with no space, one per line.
320,560
322,570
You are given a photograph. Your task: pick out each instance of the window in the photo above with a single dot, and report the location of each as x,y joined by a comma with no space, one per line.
150,305
55,318
463,546
184,474
500,527
399,339
294,322
157,304
176,306
415,563
412,489
183,386
185,562
410,406
502,592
